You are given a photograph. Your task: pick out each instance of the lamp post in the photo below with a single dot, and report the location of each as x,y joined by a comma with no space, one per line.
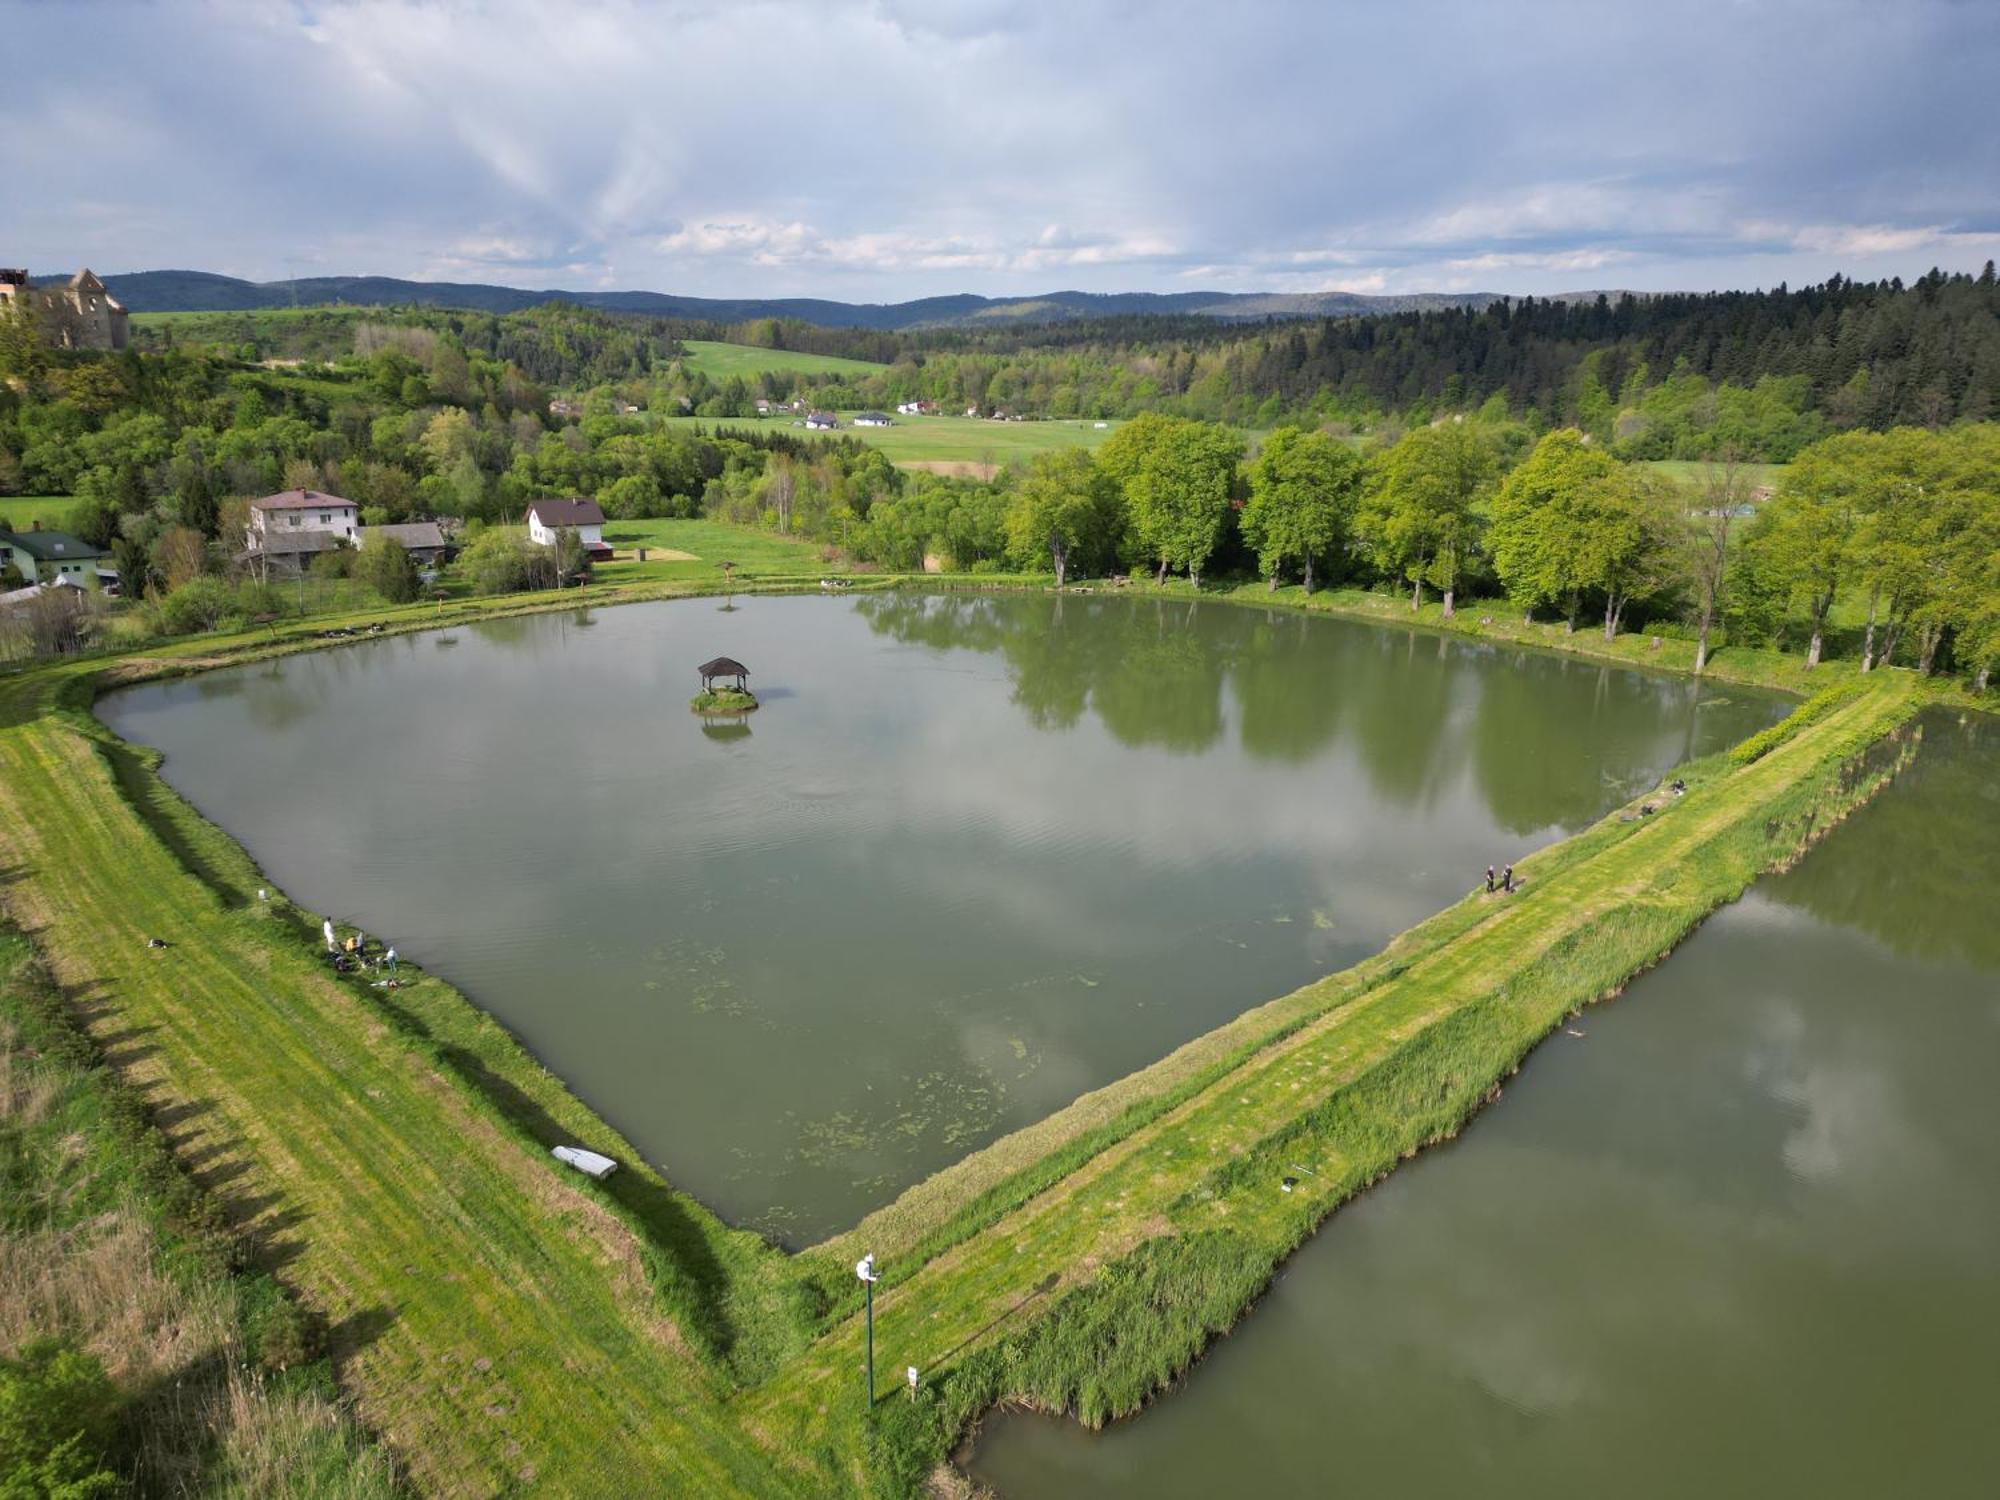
865,1269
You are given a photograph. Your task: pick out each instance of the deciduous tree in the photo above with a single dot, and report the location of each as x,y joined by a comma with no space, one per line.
1303,490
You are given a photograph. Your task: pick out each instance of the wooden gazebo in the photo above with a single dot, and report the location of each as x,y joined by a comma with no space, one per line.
723,666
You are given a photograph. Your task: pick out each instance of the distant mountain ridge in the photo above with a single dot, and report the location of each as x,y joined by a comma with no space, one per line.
204,291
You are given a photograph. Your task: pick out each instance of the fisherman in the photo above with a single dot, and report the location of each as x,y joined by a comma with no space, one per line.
389,958
1489,880
326,928
1507,881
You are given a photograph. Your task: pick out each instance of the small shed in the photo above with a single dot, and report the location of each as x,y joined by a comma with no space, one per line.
723,666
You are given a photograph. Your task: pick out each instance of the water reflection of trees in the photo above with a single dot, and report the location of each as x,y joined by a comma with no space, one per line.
725,729
1547,741
1919,868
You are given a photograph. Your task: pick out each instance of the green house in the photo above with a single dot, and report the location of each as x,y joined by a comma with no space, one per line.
46,556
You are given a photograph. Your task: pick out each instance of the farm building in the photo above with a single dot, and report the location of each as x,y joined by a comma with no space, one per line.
423,540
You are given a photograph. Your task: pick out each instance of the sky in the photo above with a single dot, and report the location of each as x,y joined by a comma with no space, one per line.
881,150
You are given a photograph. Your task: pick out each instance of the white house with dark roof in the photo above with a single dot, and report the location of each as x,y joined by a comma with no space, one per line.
548,519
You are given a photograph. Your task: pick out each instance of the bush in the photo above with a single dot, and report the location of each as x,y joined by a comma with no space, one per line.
634,497
1807,713
501,561
385,567
338,563
57,1413
278,1333
198,604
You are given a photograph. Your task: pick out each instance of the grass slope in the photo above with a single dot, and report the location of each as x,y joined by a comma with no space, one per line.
19,512
494,1316
507,1326
940,439
106,1244
719,361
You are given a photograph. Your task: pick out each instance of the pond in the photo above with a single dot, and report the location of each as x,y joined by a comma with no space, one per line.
1742,1237
974,855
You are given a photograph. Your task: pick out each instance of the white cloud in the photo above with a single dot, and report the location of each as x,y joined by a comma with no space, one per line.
888,148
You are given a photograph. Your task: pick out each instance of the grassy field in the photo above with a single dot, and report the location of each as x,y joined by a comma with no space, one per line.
719,361
706,545
19,512
942,439
504,1326
247,316
1695,472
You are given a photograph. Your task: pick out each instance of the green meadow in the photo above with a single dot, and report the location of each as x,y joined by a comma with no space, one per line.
939,440
719,361
18,512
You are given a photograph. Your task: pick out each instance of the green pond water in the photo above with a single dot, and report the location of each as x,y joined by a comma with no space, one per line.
973,856
1742,1238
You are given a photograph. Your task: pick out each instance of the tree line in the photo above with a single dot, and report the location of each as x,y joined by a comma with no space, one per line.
1901,530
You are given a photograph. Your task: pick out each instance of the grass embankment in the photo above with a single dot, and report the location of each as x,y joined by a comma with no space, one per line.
218,1382
502,1324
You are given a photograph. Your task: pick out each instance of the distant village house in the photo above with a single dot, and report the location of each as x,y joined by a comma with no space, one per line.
822,421
873,419
79,314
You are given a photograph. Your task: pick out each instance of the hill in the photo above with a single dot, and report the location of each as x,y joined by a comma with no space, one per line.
204,291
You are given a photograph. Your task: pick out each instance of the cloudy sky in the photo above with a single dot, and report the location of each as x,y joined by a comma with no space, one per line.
885,149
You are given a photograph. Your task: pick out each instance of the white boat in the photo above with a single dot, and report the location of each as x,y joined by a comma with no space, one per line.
587,1162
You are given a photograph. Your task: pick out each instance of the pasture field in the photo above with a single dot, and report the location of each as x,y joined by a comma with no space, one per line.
707,545
19,512
973,440
719,361
1695,471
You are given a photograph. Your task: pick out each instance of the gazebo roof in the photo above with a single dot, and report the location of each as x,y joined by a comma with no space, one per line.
723,666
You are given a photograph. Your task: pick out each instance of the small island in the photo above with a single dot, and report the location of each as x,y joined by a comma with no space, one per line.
725,699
